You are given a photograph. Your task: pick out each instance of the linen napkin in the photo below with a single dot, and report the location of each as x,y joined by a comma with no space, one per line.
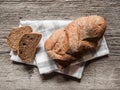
43,61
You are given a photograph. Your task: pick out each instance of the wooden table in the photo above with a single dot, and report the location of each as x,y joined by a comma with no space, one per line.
100,74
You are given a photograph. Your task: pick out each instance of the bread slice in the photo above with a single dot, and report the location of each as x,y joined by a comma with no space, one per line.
15,35
27,46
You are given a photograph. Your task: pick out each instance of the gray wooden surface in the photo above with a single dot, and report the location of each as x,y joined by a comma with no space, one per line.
100,74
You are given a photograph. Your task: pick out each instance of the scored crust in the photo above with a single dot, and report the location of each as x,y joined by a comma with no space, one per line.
90,29
57,45
67,45
28,45
15,36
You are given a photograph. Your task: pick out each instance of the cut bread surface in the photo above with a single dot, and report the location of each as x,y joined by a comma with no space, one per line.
27,46
15,35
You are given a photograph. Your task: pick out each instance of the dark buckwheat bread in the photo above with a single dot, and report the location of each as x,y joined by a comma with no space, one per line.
27,46
67,45
15,36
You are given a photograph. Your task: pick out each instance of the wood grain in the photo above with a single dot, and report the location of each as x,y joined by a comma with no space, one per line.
100,74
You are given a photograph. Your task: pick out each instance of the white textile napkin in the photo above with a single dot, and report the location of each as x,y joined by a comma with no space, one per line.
43,61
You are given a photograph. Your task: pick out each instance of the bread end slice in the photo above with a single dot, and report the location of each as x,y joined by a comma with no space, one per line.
27,46
15,36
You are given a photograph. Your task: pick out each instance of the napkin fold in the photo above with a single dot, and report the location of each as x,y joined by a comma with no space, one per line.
43,61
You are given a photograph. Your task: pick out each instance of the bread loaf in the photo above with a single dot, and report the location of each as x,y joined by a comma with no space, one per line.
27,46
66,45
15,36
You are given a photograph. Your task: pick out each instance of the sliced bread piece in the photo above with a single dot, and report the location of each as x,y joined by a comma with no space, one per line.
27,46
15,35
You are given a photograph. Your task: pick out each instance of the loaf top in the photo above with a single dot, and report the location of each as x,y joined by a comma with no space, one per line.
66,45
90,29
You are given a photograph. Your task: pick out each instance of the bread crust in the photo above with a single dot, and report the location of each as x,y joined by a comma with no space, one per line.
88,29
66,45
56,46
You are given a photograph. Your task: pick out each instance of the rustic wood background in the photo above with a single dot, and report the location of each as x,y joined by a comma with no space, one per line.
100,74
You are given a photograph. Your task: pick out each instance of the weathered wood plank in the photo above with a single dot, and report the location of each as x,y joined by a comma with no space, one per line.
99,74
